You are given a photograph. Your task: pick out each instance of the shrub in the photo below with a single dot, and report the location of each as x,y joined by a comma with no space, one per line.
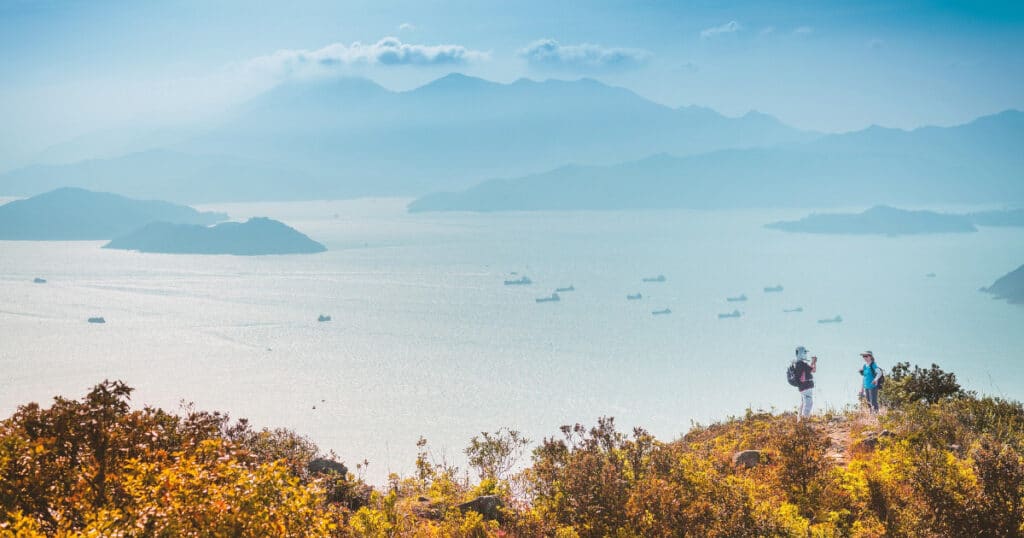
931,385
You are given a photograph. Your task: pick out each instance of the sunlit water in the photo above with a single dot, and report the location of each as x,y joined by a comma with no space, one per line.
426,340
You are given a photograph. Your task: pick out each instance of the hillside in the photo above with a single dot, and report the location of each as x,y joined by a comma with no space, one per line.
70,214
977,162
1009,286
256,236
939,461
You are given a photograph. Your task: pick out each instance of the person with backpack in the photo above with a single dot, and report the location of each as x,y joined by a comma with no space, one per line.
801,375
873,379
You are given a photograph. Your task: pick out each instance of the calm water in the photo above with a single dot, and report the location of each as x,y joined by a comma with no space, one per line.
425,339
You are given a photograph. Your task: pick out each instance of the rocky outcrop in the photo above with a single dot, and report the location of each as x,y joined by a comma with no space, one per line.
326,466
870,440
488,506
747,458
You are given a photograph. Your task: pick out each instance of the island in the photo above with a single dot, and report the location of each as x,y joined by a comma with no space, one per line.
883,220
72,214
1009,217
257,236
1009,287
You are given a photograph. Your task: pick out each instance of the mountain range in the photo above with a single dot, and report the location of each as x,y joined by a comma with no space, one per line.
351,137
978,162
559,145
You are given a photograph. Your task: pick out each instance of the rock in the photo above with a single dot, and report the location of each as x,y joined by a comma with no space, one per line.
870,439
488,506
747,458
325,466
422,499
428,510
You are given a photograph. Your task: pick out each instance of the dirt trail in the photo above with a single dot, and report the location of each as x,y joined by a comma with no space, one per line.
839,430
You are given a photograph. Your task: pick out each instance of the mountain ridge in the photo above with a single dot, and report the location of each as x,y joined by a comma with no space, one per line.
349,137
975,162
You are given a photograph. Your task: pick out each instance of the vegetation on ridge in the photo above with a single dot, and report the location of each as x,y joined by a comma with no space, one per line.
941,462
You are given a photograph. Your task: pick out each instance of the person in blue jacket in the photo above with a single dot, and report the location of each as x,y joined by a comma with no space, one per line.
872,376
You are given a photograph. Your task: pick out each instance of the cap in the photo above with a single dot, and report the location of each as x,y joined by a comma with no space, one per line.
867,353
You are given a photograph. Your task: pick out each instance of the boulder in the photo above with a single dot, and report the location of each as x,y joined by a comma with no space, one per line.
427,509
488,506
325,466
747,458
868,444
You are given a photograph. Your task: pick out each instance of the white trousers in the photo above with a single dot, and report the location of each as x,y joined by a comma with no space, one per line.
806,402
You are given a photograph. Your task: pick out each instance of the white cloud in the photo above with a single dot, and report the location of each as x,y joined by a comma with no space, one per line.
767,30
387,51
727,28
803,30
406,26
551,53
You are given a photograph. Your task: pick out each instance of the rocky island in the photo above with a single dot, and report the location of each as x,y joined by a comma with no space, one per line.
72,214
1009,287
882,220
257,236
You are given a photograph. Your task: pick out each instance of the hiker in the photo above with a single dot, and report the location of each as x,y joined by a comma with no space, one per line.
872,375
801,375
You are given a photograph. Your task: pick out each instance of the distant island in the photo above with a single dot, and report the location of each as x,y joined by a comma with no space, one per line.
72,214
883,220
1009,287
1010,217
257,236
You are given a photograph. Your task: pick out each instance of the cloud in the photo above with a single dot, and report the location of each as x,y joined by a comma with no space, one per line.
550,53
406,26
803,30
387,51
727,28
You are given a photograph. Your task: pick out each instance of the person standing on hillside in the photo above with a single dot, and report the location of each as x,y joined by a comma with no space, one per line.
801,376
872,375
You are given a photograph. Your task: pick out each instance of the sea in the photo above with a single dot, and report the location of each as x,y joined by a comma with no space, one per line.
426,340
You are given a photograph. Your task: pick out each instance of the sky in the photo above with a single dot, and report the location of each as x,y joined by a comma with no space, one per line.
71,68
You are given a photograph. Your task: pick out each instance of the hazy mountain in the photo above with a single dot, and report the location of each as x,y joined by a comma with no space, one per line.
257,236
1009,286
883,220
351,137
978,162
69,214
169,175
